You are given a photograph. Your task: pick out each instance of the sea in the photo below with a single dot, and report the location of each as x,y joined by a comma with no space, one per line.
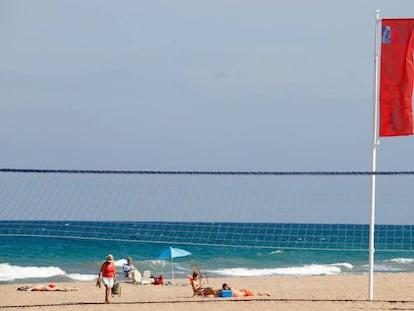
55,251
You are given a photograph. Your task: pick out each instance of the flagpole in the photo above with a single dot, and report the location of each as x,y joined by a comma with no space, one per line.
375,143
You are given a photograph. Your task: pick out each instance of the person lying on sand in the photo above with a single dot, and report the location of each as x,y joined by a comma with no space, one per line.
243,292
46,287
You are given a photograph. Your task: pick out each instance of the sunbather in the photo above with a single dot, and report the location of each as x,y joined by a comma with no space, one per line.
46,287
243,292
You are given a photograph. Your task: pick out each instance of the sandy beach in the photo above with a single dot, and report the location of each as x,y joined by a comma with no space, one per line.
339,292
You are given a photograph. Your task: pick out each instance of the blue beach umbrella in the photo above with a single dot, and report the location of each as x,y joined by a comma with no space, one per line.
170,253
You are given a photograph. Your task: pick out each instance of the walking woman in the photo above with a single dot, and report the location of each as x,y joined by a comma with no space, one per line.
107,275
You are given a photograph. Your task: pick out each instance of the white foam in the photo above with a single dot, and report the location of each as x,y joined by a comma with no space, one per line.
120,262
82,277
276,252
344,264
402,260
157,261
304,270
10,273
386,268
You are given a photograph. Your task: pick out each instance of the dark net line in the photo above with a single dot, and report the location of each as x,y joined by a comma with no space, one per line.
144,172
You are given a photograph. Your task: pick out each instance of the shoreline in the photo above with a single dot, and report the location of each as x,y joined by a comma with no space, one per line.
326,292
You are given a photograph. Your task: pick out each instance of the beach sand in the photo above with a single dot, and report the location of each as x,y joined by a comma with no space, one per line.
338,292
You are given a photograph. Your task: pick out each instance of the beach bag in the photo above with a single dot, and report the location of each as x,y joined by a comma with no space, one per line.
158,280
116,289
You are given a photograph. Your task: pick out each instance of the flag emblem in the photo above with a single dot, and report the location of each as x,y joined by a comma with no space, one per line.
386,34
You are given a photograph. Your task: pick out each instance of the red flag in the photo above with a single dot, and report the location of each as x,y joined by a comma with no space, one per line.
397,77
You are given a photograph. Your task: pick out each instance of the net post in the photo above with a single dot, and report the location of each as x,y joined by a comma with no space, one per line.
375,143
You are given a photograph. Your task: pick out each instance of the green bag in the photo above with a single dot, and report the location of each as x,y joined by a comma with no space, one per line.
116,289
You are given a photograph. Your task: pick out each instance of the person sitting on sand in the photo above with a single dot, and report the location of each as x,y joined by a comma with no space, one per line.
47,288
198,287
243,292
132,272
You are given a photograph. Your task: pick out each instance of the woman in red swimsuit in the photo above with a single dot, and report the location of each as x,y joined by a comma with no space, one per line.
107,275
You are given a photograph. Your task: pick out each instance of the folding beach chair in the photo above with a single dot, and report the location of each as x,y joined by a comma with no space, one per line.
146,277
201,291
195,291
195,268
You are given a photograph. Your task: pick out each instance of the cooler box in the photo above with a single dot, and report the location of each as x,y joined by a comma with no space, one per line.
226,293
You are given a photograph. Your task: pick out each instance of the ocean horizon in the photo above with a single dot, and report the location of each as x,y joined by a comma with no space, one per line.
28,255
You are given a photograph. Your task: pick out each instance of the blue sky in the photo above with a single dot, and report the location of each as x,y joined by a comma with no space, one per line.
192,85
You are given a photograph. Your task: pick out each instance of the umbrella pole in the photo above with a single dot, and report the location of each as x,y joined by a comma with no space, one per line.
172,270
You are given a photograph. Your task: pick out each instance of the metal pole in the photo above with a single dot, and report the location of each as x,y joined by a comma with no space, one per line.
375,143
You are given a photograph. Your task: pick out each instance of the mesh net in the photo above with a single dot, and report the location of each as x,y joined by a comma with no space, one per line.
275,209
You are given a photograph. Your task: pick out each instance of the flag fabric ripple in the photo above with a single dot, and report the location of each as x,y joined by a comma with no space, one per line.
396,77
